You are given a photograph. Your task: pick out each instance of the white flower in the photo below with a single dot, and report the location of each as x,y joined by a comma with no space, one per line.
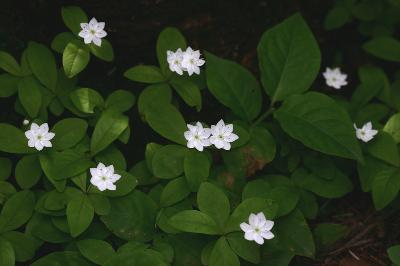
93,32
222,135
366,133
197,136
39,136
25,122
103,177
258,228
175,61
191,61
335,78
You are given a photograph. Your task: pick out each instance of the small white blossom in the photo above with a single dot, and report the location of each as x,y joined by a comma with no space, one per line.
197,136
258,228
222,135
335,78
93,32
366,133
191,61
175,61
39,136
25,122
103,177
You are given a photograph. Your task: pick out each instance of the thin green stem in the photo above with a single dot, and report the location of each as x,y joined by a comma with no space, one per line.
263,116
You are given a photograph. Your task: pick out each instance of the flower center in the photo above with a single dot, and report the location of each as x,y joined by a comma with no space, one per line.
220,137
362,132
103,178
192,61
196,137
257,230
39,137
92,32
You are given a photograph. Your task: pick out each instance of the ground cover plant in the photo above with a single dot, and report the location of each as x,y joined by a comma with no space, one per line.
262,179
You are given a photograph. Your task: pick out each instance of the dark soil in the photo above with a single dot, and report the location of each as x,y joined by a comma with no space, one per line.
227,28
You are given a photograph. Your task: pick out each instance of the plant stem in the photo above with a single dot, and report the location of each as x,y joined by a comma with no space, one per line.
263,116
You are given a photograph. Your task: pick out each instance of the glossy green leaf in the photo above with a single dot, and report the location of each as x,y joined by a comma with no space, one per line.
320,124
28,171
75,58
68,132
145,74
194,222
7,255
120,101
108,128
175,191
289,58
43,64
384,147
159,93
61,41
104,52
223,255
248,250
384,47
392,127
168,161
8,85
9,64
233,86
17,210
73,16
5,168
196,166
30,96
188,91
80,214
23,245
96,251
86,99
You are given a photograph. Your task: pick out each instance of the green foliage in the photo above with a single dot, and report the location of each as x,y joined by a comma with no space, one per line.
297,150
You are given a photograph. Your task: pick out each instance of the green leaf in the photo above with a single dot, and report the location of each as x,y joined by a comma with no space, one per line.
104,52
170,39
96,251
167,121
188,91
145,74
9,64
197,169
61,165
86,99
5,168
175,191
222,254
245,249
234,86
6,190
113,156
8,85
23,245
132,217
168,161
75,58
336,18
13,140
385,186
394,254
289,58
63,258
384,147
392,127
159,93
68,132
294,234
43,64
17,210
327,234
192,221
320,124
286,197
373,80
61,41
384,47
120,101
244,209
30,96
216,206
308,204
336,187
42,227
275,256
73,16
7,256
108,128
100,203
124,185
28,171
80,214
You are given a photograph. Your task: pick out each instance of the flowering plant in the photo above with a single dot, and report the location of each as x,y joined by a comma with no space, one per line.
244,187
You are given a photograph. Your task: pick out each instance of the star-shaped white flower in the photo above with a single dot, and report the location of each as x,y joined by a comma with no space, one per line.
103,177
366,133
258,228
335,78
39,136
197,136
175,61
93,32
191,61
222,135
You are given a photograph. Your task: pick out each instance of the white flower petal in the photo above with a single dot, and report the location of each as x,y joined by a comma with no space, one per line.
267,235
245,227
